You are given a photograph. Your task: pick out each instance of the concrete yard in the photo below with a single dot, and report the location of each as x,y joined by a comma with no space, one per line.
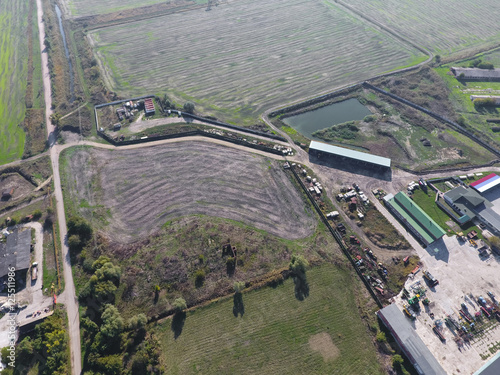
461,272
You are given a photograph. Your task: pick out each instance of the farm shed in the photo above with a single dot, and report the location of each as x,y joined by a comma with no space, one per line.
322,149
414,218
149,106
490,368
410,343
486,183
476,74
15,252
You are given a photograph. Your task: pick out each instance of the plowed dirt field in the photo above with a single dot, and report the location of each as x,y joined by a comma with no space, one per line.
132,193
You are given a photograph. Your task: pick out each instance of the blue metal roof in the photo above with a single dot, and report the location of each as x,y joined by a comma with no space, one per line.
357,155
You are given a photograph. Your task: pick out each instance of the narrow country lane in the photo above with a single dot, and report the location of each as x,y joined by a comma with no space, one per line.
70,296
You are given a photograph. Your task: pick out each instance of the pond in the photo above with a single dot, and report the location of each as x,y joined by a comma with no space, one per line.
324,117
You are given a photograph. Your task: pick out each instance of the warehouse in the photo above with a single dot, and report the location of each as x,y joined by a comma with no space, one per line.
320,149
486,183
410,343
414,218
491,368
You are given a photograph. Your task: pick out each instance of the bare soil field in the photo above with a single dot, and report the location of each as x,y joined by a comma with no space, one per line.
20,187
245,56
443,27
135,192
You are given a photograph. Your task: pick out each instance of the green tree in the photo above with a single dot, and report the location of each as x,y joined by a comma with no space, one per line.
298,264
79,226
381,337
137,321
74,242
495,242
239,286
180,304
112,322
188,107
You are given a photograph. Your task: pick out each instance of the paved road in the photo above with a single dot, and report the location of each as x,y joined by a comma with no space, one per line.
70,297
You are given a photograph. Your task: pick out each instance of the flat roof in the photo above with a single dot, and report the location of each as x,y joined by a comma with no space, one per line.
416,217
15,251
417,352
352,154
492,367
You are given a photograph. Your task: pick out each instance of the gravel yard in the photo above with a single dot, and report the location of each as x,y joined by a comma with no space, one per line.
461,272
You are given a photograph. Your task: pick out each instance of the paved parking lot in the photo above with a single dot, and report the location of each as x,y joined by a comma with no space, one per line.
463,276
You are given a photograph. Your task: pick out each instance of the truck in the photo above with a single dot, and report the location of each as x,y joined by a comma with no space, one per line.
34,271
431,279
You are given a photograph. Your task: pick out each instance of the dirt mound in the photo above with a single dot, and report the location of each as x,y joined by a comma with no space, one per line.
322,343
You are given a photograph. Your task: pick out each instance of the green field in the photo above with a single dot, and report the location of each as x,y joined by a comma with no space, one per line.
443,26
247,56
13,57
273,335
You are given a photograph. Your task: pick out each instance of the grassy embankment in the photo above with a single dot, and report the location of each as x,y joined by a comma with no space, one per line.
276,332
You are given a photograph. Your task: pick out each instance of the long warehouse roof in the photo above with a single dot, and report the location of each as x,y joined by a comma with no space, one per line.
409,341
341,151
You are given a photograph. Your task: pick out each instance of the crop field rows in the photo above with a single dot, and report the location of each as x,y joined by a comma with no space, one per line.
13,51
442,26
142,189
246,56
276,334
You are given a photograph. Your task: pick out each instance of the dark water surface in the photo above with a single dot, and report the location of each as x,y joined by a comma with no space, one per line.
337,113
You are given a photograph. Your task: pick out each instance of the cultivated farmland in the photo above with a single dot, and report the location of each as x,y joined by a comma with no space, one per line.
134,192
246,56
276,334
442,26
79,8
13,57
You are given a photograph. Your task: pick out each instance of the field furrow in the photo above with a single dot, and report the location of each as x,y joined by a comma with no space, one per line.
152,186
247,53
442,26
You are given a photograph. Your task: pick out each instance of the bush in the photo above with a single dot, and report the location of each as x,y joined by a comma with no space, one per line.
37,215
199,277
79,226
381,337
180,304
188,107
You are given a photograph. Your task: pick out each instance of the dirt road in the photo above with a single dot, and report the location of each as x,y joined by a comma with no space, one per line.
69,294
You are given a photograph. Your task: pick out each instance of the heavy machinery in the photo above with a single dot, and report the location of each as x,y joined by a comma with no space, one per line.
431,279
408,312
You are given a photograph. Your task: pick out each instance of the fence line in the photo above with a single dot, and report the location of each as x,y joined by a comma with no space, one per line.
338,238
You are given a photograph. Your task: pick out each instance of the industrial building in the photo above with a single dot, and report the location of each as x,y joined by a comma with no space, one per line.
414,218
15,252
344,154
490,368
476,74
409,342
486,183
469,204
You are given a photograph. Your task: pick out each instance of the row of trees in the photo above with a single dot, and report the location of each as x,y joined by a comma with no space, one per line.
169,104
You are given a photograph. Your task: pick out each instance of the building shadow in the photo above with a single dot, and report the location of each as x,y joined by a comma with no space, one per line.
439,250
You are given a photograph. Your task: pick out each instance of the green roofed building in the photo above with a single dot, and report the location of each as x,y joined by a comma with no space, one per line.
414,218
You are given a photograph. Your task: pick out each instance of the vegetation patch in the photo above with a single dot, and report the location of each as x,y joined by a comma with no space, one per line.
323,344
273,334
381,232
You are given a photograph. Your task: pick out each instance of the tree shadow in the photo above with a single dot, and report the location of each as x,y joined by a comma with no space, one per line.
238,306
301,287
178,323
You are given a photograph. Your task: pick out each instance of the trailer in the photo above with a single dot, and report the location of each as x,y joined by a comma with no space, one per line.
439,334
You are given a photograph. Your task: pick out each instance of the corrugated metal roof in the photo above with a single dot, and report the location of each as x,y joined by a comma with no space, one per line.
409,341
425,222
490,368
476,73
481,180
342,151
15,252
